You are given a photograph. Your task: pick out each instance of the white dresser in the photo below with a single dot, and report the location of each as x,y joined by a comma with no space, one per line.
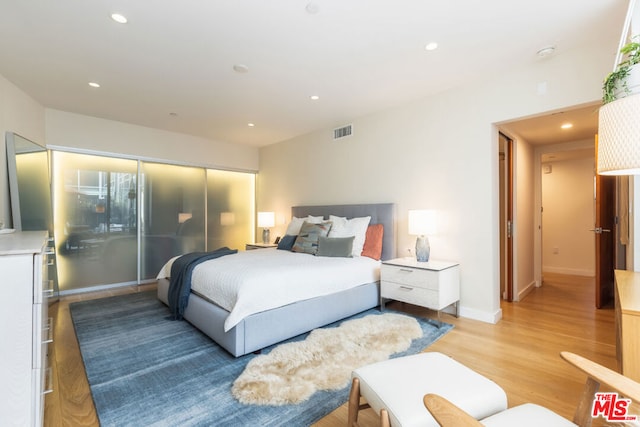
25,328
433,284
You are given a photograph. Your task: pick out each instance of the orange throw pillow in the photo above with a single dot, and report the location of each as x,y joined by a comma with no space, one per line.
373,242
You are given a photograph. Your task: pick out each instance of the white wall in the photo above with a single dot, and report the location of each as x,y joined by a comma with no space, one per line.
568,246
21,114
440,153
76,131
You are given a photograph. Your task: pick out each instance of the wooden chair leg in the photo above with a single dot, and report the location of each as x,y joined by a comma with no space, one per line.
384,418
354,403
583,416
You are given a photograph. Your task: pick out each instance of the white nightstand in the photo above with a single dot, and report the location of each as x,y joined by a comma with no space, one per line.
251,246
434,284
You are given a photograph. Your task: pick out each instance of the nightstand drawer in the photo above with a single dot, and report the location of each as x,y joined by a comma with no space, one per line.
411,294
412,277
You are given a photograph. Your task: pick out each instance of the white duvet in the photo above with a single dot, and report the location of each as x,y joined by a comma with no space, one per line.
253,281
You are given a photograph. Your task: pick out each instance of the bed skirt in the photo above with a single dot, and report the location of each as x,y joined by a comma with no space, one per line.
263,329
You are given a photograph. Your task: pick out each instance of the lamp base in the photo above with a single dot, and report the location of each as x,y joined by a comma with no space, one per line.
423,250
265,236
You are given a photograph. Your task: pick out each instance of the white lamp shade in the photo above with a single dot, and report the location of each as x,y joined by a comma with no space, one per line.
619,137
422,222
266,219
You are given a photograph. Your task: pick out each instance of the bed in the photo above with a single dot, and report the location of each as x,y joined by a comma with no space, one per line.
272,325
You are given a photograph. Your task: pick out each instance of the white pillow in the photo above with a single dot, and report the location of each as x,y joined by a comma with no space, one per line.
315,219
293,229
357,227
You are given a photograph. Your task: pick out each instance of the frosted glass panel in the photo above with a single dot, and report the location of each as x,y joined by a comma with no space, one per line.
94,219
173,214
230,209
96,202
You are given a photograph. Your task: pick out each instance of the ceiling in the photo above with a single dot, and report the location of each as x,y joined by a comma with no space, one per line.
547,128
172,65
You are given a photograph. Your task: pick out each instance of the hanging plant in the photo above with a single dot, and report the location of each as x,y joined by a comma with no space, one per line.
616,81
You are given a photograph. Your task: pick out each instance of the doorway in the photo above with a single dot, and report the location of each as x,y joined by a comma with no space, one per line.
582,233
532,138
567,214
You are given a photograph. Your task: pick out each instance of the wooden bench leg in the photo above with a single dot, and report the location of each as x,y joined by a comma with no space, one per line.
354,407
384,418
354,403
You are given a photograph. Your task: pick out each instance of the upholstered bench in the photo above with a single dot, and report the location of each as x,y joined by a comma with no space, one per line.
394,388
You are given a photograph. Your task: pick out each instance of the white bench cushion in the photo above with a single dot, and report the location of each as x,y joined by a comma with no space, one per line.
400,384
527,415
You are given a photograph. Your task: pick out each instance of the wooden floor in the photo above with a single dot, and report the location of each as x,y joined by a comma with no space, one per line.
520,353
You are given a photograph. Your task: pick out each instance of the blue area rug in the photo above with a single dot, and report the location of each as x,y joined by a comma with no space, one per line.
145,370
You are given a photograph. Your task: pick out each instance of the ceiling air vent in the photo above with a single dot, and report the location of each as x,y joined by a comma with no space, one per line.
342,132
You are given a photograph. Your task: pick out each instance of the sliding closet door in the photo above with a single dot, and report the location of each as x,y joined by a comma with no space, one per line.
95,219
230,209
120,220
173,212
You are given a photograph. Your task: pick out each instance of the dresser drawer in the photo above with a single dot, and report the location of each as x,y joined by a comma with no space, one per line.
411,294
42,334
23,321
412,277
42,286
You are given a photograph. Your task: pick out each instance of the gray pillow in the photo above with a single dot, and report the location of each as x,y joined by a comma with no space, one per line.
335,246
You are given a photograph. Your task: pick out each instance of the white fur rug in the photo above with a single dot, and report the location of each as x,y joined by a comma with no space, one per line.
292,372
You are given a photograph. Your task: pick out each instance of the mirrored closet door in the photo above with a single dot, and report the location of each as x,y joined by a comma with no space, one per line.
29,169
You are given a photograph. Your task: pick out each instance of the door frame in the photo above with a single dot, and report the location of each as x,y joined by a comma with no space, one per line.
506,201
606,235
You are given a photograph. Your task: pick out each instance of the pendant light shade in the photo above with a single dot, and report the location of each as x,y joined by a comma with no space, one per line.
619,137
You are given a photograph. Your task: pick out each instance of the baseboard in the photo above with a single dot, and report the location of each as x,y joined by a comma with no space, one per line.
526,291
103,287
570,271
483,316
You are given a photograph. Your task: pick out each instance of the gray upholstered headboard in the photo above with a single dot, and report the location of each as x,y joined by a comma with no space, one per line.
381,213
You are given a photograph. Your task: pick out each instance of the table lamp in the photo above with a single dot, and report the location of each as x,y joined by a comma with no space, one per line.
422,223
265,221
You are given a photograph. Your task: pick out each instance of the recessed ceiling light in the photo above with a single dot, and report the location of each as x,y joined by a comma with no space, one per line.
240,68
431,46
120,19
567,126
314,97
312,8
251,125
94,84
